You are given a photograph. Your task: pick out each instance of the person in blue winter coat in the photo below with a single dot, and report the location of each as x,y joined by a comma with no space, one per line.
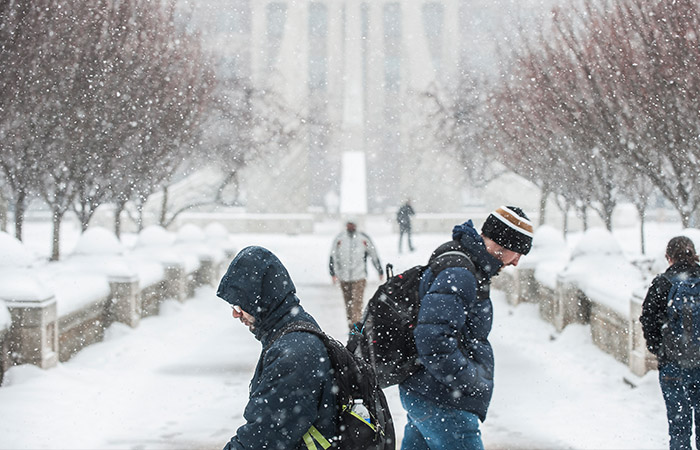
450,394
291,400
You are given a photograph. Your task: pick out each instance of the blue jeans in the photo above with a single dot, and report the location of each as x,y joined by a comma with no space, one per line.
434,427
681,390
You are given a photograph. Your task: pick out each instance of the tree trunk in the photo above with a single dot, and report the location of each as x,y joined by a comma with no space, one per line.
3,211
84,214
84,222
56,243
164,207
642,242
683,213
20,205
139,217
609,211
543,205
118,208
608,221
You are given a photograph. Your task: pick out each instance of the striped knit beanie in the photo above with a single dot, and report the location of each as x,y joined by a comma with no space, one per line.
509,227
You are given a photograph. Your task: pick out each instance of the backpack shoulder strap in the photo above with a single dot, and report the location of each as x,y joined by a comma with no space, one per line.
452,258
291,327
452,254
343,362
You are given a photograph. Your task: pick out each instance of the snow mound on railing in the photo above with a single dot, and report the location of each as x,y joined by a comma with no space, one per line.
601,270
12,252
98,241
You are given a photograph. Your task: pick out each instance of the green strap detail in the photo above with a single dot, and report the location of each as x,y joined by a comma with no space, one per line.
359,417
309,441
312,434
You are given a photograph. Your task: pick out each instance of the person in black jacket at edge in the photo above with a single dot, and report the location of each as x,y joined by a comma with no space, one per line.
291,400
680,386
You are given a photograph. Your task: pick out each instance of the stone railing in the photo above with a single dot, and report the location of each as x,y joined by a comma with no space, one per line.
617,334
4,352
38,335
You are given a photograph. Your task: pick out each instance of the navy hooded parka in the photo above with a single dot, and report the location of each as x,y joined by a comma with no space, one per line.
292,387
453,329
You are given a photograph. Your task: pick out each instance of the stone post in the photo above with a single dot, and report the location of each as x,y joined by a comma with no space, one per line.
4,352
571,306
641,360
175,282
126,300
207,272
547,299
526,285
33,336
506,282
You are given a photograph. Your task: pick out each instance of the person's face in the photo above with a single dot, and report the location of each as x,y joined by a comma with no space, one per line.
351,227
245,318
505,256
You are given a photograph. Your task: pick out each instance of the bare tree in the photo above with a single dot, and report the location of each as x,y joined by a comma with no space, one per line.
662,101
606,87
120,90
243,124
168,106
25,28
457,121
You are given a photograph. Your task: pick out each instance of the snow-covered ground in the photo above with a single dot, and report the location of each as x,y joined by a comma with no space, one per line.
180,379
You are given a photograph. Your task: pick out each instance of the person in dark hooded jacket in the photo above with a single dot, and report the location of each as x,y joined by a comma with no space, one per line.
291,398
680,385
448,396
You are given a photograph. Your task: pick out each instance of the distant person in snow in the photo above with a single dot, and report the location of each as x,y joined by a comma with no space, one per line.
447,397
666,337
291,397
348,263
403,218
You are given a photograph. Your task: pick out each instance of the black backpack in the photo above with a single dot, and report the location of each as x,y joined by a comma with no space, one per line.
681,333
355,381
384,337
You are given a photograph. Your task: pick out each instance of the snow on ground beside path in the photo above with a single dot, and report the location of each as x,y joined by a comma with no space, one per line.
559,391
180,380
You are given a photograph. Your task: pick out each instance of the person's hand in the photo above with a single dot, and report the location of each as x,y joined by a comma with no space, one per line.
334,279
381,277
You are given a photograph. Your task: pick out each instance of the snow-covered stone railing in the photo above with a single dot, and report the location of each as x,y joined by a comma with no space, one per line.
593,284
50,311
253,223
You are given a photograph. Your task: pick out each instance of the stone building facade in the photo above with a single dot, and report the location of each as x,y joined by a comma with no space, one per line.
358,70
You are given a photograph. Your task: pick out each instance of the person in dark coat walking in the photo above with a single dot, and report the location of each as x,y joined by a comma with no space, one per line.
403,217
291,397
450,394
680,386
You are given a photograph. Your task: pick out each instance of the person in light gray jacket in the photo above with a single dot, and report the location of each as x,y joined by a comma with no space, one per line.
348,264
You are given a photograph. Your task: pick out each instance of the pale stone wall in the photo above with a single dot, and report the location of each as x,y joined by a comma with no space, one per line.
38,336
363,112
614,333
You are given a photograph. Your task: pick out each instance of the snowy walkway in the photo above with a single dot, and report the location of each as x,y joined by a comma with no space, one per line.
180,379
